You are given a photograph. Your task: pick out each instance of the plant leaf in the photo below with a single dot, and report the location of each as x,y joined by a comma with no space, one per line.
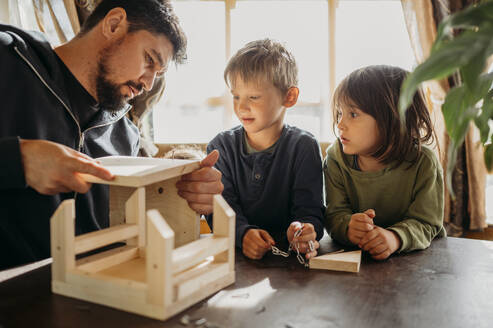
472,70
441,63
488,155
482,121
458,112
471,17
451,161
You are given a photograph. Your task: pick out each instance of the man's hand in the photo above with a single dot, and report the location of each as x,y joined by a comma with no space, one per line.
380,243
51,168
359,225
256,242
199,187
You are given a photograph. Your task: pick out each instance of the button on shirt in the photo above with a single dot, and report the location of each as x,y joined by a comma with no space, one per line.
270,189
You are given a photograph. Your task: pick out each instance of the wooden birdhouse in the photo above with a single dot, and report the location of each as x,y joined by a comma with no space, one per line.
163,266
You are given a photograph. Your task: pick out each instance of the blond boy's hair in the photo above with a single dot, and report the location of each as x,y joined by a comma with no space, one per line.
263,59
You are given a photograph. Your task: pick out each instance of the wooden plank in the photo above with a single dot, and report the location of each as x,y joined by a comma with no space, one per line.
161,196
131,270
347,261
118,198
200,294
104,260
198,277
195,252
135,214
185,222
224,219
160,241
62,239
142,171
117,293
96,239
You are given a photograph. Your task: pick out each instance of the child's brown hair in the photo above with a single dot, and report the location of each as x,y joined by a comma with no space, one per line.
375,90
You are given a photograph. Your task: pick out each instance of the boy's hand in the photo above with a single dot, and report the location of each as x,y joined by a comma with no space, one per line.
308,236
257,242
360,224
380,243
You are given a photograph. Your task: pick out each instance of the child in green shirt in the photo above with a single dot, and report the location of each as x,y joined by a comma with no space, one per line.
384,189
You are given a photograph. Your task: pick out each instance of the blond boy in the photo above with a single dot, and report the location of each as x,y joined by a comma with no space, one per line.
272,172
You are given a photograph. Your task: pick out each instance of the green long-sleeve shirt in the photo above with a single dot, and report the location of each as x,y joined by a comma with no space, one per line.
406,200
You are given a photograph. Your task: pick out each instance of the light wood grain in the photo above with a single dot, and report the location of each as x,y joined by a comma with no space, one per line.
224,225
159,259
193,253
347,261
142,171
135,212
62,239
103,260
100,238
148,276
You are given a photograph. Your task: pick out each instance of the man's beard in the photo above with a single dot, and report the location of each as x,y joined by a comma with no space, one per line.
109,94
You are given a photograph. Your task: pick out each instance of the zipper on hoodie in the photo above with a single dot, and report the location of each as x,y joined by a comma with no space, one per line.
81,133
81,138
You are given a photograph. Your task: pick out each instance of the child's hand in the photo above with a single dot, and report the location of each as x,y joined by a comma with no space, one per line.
257,242
308,236
380,243
360,224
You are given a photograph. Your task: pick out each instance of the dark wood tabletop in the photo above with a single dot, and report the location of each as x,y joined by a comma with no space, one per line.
448,285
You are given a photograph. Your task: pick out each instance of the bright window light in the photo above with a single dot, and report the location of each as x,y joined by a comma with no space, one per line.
193,110
303,27
183,114
371,33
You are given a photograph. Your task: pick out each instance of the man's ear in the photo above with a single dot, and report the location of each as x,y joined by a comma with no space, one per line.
115,23
291,97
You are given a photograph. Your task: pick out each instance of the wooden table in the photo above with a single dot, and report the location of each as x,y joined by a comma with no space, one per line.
448,285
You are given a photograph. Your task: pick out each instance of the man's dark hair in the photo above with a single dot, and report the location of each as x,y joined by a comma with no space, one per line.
154,16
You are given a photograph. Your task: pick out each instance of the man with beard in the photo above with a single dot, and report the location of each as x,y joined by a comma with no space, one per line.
61,108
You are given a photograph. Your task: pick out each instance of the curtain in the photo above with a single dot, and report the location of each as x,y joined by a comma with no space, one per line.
468,209
57,19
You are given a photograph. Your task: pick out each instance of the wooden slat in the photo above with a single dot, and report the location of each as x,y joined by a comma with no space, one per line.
195,279
139,171
224,226
135,211
160,241
96,239
62,239
195,252
103,260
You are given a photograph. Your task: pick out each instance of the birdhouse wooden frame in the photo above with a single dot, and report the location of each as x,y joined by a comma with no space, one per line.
162,266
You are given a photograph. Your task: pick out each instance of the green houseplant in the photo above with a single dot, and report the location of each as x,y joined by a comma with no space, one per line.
465,53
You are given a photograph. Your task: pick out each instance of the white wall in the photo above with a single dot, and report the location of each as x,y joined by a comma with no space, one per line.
4,11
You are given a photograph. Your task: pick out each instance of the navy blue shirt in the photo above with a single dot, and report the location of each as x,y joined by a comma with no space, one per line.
270,190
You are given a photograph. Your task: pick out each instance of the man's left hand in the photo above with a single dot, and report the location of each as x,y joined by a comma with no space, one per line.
199,187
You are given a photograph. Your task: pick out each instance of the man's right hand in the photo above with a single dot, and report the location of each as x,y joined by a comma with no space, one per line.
257,242
51,168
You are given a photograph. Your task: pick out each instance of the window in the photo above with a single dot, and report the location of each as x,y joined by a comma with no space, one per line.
187,111
196,104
